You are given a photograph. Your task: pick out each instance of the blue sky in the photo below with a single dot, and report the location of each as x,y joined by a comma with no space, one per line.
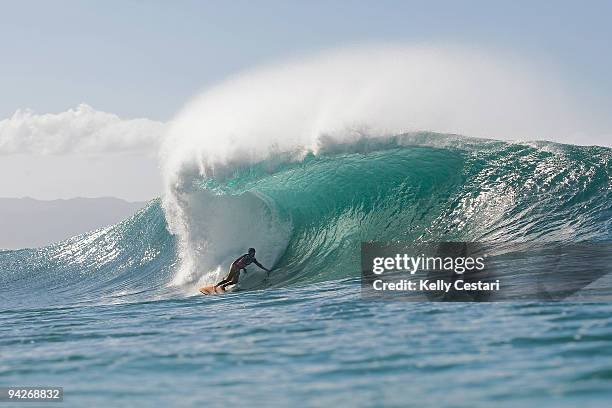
146,59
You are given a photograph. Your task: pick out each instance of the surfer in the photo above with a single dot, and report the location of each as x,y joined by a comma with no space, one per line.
237,265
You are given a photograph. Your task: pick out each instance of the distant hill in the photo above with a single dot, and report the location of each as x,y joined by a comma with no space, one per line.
28,223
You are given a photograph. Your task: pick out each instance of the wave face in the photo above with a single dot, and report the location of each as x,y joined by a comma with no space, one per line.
307,216
130,260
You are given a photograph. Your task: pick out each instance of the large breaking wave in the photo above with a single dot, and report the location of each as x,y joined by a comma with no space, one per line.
308,217
305,160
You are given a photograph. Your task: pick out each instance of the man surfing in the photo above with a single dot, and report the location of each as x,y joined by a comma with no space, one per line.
240,264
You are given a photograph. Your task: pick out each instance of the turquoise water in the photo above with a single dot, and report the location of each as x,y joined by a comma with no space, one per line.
104,315
313,345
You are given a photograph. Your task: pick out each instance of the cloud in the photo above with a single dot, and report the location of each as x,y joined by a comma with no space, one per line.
79,130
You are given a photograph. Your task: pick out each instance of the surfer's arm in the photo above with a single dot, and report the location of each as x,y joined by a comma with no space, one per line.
260,265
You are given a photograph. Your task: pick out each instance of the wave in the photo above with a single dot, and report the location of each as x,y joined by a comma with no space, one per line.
132,259
307,216
227,154
303,160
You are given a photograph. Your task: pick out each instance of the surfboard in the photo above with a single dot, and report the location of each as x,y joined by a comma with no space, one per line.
212,290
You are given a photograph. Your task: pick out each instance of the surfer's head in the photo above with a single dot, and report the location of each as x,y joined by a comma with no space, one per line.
251,251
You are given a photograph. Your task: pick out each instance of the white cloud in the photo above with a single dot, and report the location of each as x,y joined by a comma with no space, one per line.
79,130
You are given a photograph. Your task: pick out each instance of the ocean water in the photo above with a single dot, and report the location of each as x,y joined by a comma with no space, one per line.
114,316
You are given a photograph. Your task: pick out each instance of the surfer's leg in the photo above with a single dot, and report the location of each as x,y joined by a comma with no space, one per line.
232,282
229,278
223,282
232,278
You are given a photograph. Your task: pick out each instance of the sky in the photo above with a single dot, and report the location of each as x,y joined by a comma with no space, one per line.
121,65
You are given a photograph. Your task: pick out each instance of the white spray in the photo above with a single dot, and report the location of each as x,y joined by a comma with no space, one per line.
289,107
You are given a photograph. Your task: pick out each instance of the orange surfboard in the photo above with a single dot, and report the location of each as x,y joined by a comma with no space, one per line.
212,290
